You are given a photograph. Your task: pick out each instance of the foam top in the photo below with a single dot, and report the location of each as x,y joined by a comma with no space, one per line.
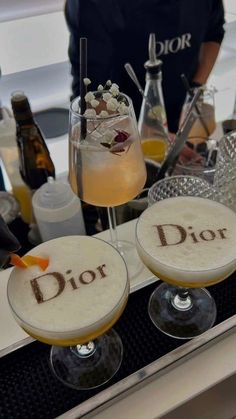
188,233
85,280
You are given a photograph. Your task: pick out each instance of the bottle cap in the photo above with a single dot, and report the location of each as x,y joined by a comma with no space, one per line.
54,201
9,207
20,106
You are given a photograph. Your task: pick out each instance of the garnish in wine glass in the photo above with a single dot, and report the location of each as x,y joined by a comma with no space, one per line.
106,102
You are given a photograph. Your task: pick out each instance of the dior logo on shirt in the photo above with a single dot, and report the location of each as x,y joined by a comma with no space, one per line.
171,46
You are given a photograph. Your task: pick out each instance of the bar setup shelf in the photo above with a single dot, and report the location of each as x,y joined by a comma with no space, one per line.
29,388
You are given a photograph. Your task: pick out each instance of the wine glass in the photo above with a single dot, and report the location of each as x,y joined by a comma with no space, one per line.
106,163
72,305
205,123
187,240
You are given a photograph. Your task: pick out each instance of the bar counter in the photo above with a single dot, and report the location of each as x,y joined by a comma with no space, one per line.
161,387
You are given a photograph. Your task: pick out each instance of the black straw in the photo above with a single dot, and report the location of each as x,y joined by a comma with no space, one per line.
83,87
83,125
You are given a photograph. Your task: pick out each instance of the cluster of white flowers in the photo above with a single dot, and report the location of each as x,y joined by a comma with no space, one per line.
110,95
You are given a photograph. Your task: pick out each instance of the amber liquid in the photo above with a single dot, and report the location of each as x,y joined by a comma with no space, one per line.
203,127
186,284
80,339
107,179
154,149
35,161
19,189
23,196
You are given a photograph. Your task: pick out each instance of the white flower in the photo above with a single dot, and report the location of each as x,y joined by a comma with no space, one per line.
90,113
94,103
89,96
100,87
106,96
115,85
108,136
112,104
103,114
123,109
114,89
108,83
86,81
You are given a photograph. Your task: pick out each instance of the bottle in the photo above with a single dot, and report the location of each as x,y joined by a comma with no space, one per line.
57,210
152,123
35,161
230,124
10,160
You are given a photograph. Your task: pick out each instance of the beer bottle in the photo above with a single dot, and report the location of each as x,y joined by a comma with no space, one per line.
152,123
34,158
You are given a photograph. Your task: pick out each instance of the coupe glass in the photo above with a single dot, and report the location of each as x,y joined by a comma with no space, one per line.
106,162
178,307
205,123
72,305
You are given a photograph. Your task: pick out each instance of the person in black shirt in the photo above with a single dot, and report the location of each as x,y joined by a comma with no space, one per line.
188,34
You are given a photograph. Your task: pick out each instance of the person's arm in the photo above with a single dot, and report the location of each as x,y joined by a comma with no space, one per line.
207,58
210,47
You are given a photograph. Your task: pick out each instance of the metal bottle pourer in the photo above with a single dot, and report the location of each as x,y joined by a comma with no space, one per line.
153,65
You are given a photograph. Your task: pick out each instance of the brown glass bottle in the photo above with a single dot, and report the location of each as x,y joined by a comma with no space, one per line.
35,162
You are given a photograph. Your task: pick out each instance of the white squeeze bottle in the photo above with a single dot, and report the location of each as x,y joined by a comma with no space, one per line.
57,210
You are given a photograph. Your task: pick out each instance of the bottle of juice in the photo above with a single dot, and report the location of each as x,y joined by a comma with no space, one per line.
152,122
10,160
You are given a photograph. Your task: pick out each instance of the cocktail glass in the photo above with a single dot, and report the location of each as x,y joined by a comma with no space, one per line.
225,173
72,305
181,238
106,162
200,169
205,123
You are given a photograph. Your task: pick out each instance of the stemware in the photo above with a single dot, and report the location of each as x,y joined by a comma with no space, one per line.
106,163
72,305
200,169
205,123
225,173
181,239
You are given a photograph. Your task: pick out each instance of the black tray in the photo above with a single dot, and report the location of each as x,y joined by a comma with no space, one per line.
53,122
29,389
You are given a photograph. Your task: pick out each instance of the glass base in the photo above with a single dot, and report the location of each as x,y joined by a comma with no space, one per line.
84,367
196,315
129,253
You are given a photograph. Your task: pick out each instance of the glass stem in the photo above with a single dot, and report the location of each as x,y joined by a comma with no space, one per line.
182,300
112,225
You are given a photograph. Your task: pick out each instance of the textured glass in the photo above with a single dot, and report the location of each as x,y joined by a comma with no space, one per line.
198,170
225,173
180,186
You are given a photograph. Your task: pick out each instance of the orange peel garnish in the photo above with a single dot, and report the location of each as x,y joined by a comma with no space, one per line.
17,261
28,260
35,260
